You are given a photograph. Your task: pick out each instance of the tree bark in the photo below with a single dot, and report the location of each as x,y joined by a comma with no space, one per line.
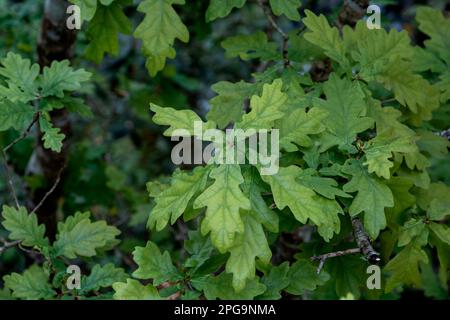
56,42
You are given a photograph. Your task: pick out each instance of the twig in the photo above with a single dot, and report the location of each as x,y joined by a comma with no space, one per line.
274,24
363,241
323,257
445,133
49,192
24,134
5,156
7,245
364,247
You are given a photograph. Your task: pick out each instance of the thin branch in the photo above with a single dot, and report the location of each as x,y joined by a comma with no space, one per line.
363,241
274,24
49,192
323,257
24,134
9,178
5,157
7,245
364,247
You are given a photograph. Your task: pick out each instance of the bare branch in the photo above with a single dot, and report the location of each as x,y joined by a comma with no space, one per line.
7,245
5,157
364,247
49,192
274,24
363,241
24,134
322,258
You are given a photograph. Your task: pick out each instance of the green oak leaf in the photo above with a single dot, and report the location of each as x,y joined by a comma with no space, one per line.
304,202
102,277
17,115
372,198
252,46
221,287
327,38
265,109
183,120
379,150
60,77
154,265
303,276
158,31
223,199
53,138
134,290
172,202
346,113
21,76
84,238
441,231
404,267
87,8
32,284
103,31
299,125
228,105
275,280
250,244
24,227
287,7
222,8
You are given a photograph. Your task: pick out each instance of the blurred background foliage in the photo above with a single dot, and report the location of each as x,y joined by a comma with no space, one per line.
116,149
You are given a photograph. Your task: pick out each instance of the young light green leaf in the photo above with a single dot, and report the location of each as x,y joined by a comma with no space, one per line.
33,284
250,244
322,35
296,128
223,200
158,31
433,23
304,203
134,290
379,150
441,231
180,121
172,202
84,238
53,138
24,227
265,109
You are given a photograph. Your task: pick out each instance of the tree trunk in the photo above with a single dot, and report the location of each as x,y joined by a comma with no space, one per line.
56,43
